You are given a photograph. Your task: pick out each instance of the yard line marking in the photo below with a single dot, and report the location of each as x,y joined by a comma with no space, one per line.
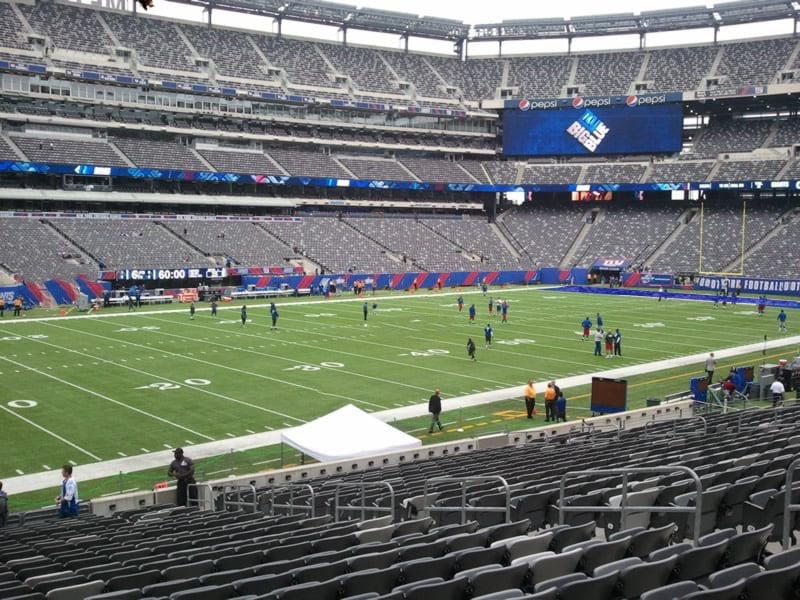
167,445
145,450
189,442
72,462
201,390
50,433
289,425
20,472
230,435
268,428
249,431
122,454
264,462
46,468
220,471
476,418
109,399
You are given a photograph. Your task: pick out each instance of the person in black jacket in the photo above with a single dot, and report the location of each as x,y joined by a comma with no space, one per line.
435,408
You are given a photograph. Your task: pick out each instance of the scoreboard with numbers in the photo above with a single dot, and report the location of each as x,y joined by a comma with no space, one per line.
177,275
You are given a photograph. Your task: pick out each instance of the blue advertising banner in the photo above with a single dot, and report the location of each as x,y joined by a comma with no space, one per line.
656,280
749,285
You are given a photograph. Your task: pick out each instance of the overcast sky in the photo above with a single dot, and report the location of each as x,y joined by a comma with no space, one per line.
474,11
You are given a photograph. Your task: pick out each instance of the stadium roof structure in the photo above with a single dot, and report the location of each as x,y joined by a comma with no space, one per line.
693,17
345,16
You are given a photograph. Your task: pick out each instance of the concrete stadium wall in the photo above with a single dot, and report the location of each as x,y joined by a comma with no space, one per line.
208,490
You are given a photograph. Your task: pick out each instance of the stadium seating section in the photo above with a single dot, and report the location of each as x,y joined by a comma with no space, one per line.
424,548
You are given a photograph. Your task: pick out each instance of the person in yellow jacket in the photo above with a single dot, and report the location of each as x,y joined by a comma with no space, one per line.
530,399
17,306
550,403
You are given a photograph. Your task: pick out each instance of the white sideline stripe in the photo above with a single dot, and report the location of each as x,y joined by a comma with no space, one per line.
50,433
37,481
265,462
107,398
476,418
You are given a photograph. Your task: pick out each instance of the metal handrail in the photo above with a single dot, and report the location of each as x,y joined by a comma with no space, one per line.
464,507
623,507
291,506
207,501
788,507
363,506
239,503
594,429
649,424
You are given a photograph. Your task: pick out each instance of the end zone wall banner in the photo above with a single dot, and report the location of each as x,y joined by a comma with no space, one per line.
749,285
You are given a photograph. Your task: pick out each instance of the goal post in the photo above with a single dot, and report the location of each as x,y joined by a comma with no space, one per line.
742,244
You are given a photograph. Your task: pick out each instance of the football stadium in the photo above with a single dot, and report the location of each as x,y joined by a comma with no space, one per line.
308,300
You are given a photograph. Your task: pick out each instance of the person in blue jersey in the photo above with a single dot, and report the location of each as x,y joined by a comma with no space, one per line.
244,314
471,349
599,321
365,308
617,343
67,500
471,313
587,326
460,303
139,289
561,407
273,312
488,334
782,321
191,311
491,306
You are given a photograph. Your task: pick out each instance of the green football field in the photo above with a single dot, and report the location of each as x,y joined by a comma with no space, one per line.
88,389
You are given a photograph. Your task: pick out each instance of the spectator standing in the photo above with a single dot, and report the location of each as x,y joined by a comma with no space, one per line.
710,367
561,407
530,399
3,506
609,344
777,390
67,501
182,469
549,403
782,322
435,408
617,343
17,306
587,326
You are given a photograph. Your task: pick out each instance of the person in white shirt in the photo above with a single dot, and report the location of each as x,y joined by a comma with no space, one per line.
777,390
67,502
710,366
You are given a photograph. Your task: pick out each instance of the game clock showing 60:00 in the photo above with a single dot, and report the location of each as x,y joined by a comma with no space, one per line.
152,274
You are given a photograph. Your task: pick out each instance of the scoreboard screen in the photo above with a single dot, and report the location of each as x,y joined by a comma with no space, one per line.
609,395
594,131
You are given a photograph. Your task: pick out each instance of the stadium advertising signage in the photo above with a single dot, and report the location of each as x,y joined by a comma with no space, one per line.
596,129
656,280
749,284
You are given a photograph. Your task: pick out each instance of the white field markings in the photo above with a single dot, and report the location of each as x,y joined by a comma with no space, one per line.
544,319
166,379
211,364
50,433
103,396
253,305
676,326
337,351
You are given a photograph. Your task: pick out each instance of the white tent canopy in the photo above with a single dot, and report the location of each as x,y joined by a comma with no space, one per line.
348,432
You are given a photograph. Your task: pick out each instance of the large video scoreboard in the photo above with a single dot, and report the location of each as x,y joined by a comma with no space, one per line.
586,129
